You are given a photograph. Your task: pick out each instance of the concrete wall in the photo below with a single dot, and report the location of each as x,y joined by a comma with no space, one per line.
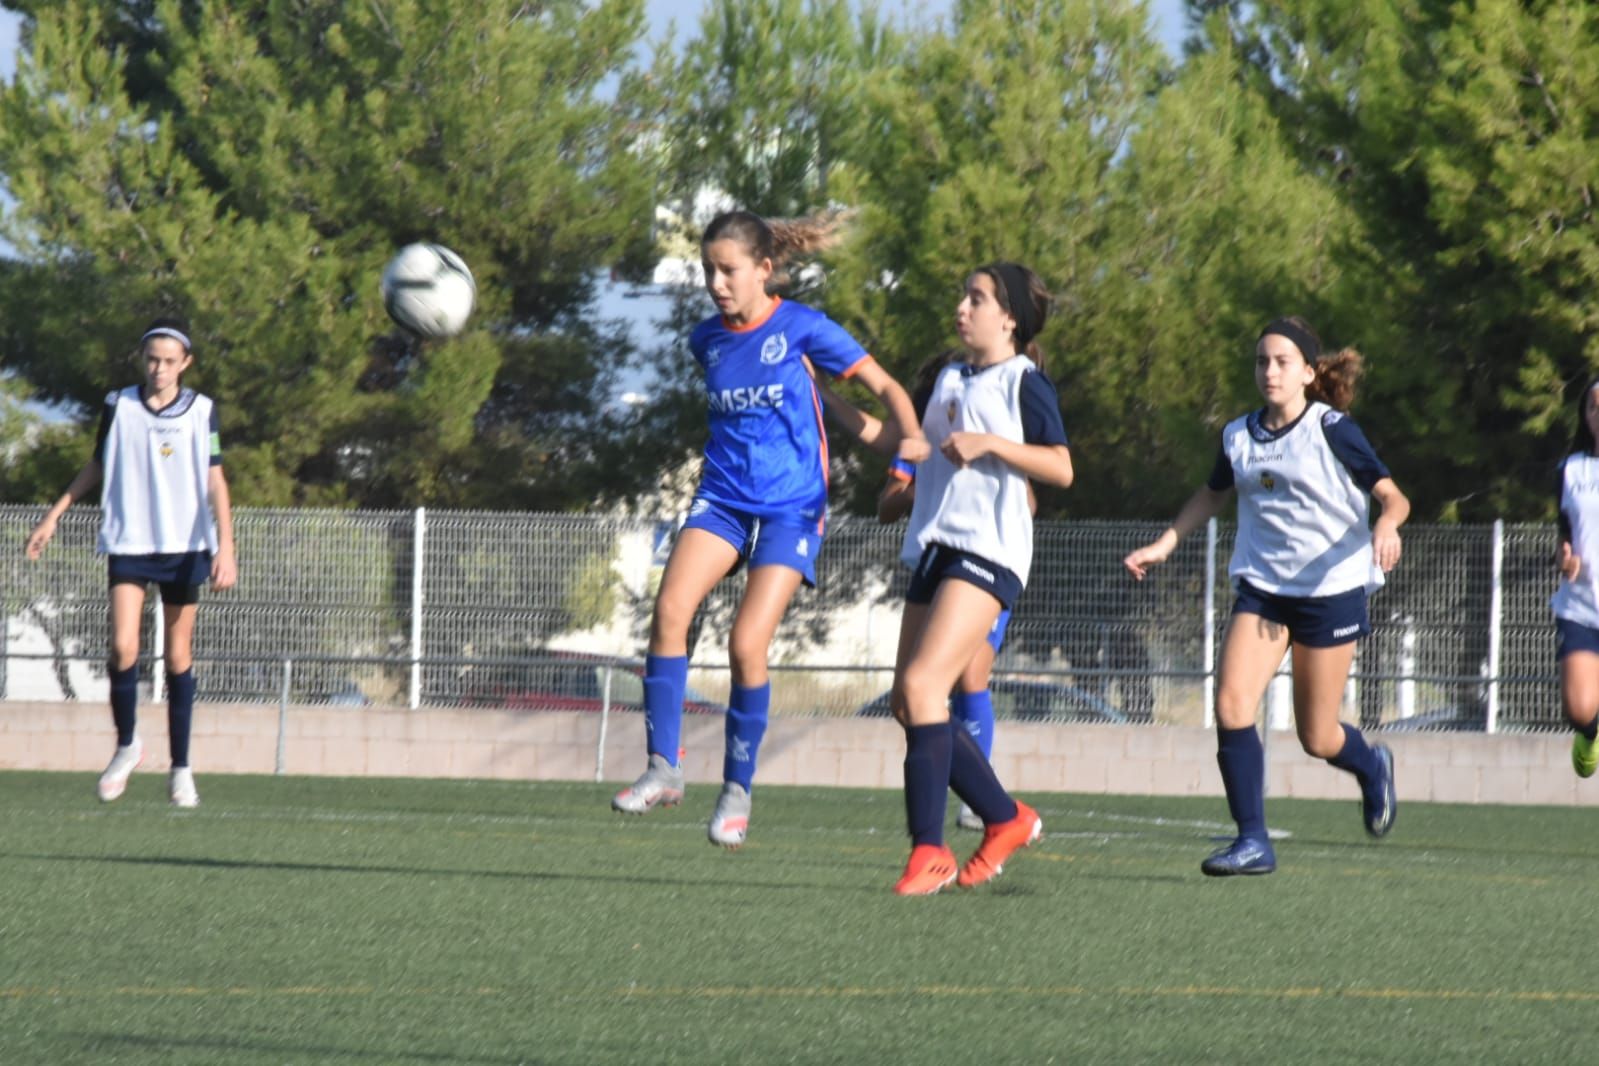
867,753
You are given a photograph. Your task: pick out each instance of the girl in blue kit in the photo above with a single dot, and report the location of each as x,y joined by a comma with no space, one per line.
166,519
762,497
1576,600
994,423
1303,565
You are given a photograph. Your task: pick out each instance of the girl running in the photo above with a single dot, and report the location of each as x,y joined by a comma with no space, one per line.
1302,566
1576,601
994,423
762,498
166,519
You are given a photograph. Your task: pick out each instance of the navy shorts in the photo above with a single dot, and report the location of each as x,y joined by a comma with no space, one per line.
793,543
939,562
179,574
1574,636
1314,621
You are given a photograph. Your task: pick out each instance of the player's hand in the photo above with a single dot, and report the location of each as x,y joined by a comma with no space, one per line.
39,538
1385,545
1567,562
1151,554
224,569
913,449
963,449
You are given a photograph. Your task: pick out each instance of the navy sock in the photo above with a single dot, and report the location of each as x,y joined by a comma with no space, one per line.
1243,772
927,762
1591,730
1357,758
974,781
975,711
746,725
180,714
665,678
125,702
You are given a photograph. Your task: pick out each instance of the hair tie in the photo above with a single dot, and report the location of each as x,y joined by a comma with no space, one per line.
1306,341
168,331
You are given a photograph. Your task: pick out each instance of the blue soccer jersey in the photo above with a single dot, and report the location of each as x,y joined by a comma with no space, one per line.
767,453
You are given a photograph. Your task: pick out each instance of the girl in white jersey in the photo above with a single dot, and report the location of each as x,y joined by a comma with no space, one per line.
166,518
1303,564
994,423
762,498
1576,601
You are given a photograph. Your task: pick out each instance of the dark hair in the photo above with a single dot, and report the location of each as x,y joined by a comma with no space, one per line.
172,322
1582,442
1029,309
777,239
1336,374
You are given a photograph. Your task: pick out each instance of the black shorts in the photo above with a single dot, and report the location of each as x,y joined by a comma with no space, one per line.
939,562
1314,621
179,574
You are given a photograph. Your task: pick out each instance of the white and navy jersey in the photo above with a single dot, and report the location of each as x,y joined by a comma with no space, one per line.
1303,504
767,453
982,507
1578,601
155,495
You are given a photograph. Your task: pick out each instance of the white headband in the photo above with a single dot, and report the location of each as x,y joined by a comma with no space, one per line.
168,331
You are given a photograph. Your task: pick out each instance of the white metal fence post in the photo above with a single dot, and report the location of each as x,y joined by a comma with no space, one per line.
283,717
1496,609
605,718
418,557
1210,623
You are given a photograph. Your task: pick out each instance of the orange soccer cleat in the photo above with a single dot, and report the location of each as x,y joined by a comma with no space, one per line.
931,867
999,842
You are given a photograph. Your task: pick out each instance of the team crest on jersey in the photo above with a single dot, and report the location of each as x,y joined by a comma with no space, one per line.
1267,482
698,507
952,410
166,450
713,355
774,348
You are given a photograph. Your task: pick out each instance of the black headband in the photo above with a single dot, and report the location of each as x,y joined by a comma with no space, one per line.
1306,341
1018,299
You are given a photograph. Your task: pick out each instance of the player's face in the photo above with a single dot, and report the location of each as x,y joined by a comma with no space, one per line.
1281,373
164,359
983,325
735,280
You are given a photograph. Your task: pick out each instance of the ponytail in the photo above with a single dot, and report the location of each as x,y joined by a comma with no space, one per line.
1336,377
779,239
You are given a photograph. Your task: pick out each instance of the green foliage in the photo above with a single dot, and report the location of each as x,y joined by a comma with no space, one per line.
253,165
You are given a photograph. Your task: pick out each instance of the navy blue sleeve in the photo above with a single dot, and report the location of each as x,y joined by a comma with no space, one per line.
1040,404
1352,448
1221,475
106,414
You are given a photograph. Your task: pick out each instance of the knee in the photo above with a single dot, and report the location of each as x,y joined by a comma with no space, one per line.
1233,711
1322,743
671,619
924,697
746,653
124,653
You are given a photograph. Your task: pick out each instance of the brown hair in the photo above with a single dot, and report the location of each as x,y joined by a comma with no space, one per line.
1336,373
778,239
927,376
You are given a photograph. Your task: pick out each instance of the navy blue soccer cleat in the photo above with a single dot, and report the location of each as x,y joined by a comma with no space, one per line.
1378,805
1246,855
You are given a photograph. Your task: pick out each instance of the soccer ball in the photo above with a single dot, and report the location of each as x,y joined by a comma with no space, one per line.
428,290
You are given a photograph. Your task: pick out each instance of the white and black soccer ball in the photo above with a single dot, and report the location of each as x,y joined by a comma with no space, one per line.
428,289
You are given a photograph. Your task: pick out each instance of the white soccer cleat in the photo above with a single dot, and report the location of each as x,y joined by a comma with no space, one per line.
661,785
731,819
114,781
180,787
967,819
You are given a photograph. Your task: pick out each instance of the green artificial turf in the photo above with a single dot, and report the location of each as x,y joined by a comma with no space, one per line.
298,920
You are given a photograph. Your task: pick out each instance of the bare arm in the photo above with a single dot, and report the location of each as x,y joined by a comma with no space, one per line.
869,430
80,487
1201,507
225,567
1048,463
1385,531
896,499
913,447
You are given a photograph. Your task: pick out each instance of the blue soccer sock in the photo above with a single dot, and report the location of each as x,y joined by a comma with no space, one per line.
1357,758
125,702
974,781
180,715
927,764
975,711
665,678
1243,773
746,725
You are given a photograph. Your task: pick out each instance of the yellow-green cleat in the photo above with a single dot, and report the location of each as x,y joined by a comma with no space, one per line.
1584,756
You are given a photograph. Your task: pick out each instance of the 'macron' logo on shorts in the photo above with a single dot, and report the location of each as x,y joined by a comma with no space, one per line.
1346,631
967,564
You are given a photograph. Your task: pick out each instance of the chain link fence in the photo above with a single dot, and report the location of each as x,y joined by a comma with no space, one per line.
419,608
